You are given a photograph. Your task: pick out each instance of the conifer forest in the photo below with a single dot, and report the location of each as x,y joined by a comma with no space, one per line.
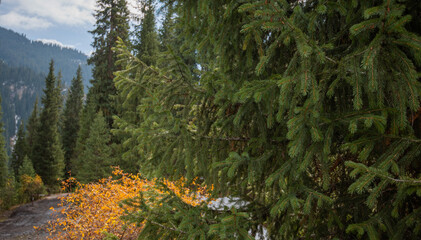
231,119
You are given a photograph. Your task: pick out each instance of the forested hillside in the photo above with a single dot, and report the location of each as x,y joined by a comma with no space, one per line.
18,51
20,86
23,67
248,119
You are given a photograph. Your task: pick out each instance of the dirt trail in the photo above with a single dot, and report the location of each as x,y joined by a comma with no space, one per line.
20,222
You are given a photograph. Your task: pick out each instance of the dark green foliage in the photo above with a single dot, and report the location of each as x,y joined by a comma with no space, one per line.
8,196
86,119
26,168
167,31
60,99
175,219
20,150
305,109
146,38
146,48
3,154
111,22
7,180
32,129
173,40
47,154
95,160
72,112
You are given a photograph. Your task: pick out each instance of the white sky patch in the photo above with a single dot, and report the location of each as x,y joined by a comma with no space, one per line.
55,42
89,54
41,14
16,20
71,17
134,7
68,12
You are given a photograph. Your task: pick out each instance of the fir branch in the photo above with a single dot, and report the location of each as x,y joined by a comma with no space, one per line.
235,139
377,172
330,59
353,114
411,181
238,139
414,140
167,228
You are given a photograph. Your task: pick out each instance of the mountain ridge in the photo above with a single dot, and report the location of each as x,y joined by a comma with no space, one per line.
17,50
23,68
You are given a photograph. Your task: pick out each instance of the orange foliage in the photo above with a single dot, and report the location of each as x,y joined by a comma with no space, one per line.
193,198
93,209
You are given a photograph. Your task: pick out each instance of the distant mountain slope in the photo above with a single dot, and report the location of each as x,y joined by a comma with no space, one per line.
19,87
16,50
23,67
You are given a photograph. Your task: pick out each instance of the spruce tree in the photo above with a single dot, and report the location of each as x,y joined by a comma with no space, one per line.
72,112
166,32
96,158
112,18
32,127
307,110
26,168
60,100
146,38
20,150
3,154
146,49
47,152
173,42
86,119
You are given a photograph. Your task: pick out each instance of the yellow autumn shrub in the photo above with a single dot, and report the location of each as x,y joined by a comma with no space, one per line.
31,188
93,210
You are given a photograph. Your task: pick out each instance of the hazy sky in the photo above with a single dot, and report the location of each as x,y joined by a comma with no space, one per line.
63,21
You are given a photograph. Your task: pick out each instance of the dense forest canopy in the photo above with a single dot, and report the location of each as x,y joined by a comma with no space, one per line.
305,114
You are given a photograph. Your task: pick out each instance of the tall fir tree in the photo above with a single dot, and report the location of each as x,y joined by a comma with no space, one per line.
47,153
3,154
173,42
146,38
72,112
60,99
86,119
32,129
20,149
146,49
96,157
112,21
166,32
307,110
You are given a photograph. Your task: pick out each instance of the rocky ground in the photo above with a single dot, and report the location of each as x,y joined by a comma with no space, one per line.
19,222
